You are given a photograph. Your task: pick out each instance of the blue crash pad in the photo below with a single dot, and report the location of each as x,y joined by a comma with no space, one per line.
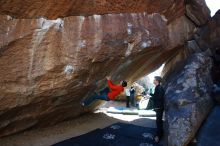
118,134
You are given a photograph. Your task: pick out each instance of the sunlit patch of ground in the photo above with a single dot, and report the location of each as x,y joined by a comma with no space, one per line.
124,117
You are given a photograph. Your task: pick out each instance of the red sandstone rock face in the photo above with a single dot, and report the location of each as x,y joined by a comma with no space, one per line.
48,66
53,9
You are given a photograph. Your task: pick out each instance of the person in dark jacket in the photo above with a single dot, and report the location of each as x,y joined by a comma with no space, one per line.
127,93
132,96
158,101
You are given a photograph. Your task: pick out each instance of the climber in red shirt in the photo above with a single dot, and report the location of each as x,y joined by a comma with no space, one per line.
109,93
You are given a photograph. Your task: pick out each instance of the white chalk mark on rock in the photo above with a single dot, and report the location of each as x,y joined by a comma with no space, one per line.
129,24
148,33
46,24
82,44
129,29
145,44
98,34
125,42
68,69
129,49
164,18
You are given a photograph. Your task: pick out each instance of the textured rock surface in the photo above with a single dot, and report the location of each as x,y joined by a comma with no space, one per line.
209,133
214,43
209,35
48,66
62,8
185,112
188,99
197,11
176,62
216,95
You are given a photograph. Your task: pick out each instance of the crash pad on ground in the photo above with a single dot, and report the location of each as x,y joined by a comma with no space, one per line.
118,134
132,131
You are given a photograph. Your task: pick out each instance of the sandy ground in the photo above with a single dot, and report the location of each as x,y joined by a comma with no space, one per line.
51,135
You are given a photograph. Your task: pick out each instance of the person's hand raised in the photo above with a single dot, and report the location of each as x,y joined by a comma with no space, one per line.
108,77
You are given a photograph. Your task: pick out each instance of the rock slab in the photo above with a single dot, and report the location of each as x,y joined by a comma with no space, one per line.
188,100
209,134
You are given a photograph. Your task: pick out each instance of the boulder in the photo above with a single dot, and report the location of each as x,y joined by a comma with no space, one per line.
197,11
176,62
209,133
188,99
216,93
49,66
189,80
55,53
208,36
63,8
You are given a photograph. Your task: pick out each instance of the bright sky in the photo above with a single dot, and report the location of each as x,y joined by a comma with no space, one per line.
155,73
214,5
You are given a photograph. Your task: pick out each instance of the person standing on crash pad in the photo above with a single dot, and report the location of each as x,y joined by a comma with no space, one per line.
132,96
158,104
127,93
107,94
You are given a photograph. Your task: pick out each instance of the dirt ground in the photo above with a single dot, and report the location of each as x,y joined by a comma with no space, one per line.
51,135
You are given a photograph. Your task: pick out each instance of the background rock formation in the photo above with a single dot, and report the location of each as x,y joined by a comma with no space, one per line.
63,8
209,133
48,66
195,68
188,100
